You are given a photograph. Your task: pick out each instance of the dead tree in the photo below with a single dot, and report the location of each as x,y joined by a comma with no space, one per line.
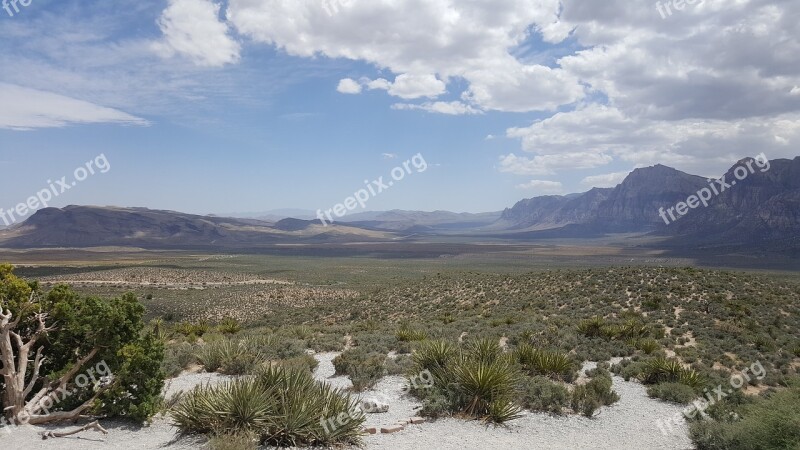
22,404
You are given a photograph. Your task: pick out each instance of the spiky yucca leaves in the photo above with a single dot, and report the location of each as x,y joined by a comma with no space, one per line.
666,370
484,349
592,327
408,334
284,407
433,355
546,363
230,356
485,389
648,346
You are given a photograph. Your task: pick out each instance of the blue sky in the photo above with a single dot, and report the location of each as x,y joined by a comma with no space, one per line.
240,106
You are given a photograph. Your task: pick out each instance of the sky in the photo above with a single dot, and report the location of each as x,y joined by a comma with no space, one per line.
251,105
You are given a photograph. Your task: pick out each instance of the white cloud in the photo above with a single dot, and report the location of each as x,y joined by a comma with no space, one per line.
605,180
543,186
349,86
410,86
425,44
25,109
549,164
192,28
389,155
455,108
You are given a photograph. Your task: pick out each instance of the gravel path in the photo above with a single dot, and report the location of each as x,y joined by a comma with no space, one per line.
629,424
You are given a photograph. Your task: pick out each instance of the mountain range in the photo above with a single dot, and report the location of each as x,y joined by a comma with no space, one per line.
761,208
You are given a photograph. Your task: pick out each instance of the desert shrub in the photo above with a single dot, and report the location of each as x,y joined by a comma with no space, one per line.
672,392
587,398
541,394
399,365
364,367
303,362
178,357
283,407
765,424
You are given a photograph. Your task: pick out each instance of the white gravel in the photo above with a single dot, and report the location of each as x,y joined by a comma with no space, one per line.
629,424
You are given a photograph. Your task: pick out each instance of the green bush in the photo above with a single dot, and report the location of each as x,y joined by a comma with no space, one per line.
672,392
587,398
541,394
283,407
364,367
766,424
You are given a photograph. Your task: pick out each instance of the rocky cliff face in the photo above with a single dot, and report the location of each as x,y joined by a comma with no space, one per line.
631,206
764,206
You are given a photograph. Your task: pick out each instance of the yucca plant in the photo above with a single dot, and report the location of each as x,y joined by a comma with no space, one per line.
407,334
484,349
283,407
230,356
666,370
592,327
433,356
648,346
229,325
546,363
479,384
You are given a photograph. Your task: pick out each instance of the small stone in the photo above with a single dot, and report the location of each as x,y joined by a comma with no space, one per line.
417,420
371,430
374,406
392,429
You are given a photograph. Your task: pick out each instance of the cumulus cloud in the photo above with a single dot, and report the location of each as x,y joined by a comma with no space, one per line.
25,109
426,45
543,186
349,86
192,28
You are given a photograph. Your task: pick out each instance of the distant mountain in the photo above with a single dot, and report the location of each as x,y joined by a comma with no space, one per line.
764,207
631,206
762,210
89,226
